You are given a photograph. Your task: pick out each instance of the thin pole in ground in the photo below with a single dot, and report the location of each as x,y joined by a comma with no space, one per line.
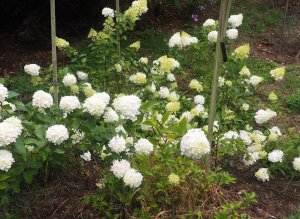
54,54
223,18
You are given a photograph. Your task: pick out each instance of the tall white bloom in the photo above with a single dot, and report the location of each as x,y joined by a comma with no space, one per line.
69,80
199,99
86,156
171,77
117,144
255,80
143,146
128,106
245,136
10,130
3,93
262,174
110,115
133,178
119,168
232,33
175,40
194,144
96,104
108,12
57,134
82,75
6,160
263,116
212,36
231,135
209,22
42,100
251,158
235,20
275,156
296,163
143,60
32,69
69,103
164,92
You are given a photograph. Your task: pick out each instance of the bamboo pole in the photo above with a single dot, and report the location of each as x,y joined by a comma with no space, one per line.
223,18
54,54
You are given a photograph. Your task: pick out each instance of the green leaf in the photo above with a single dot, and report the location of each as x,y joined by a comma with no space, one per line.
3,185
3,177
12,94
165,117
59,151
20,148
28,175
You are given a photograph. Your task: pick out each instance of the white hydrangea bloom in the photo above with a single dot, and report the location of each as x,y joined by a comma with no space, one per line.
77,137
296,163
245,136
144,60
143,146
152,88
245,106
82,75
96,104
6,160
235,20
138,78
42,100
110,115
86,156
232,34
199,99
274,133
255,80
175,40
69,80
262,174
275,156
212,36
57,134
117,144
245,72
121,129
171,77
258,136
32,69
164,92
10,130
108,12
209,22
263,116
251,158
188,115
221,81
133,178
182,39
69,103
3,93
119,168
231,135
194,144
128,106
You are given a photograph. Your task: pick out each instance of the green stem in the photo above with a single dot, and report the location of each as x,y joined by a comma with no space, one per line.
54,54
223,18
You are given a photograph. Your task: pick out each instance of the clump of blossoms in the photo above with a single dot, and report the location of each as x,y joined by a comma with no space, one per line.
96,104
69,80
128,106
42,100
143,146
212,36
245,72
194,144
181,40
32,69
119,168
196,85
263,116
61,43
275,156
173,179
165,64
274,133
108,12
10,130
117,144
209,22
235,20
272,96
173,106
254,80
232,34
136,45
262,174
82,75
164,92
86,156
138,78
57,134
278,73
6,160
69,103
133,178
296,163
110,115
144,60
3,93
241,52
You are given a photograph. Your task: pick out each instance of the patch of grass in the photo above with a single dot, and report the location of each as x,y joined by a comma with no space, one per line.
295,216
293,101
292,79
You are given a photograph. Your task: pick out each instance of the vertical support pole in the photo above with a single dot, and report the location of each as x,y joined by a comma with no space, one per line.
54,54
223,18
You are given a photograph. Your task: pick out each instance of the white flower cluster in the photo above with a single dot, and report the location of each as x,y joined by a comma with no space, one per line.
131,177
108,12
11,110
69,103
232,34
209,22
82,75
42,100
199,99
96,104
235,20
262,174
57,134
143,60
128,106
143,146
275,156
164,92
3,93
86,156
69,80
231,135
110,115
181,40
212,36
263,116
117,144
194,144
296,163
254,80
32,69
10,130
6,160
138,78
